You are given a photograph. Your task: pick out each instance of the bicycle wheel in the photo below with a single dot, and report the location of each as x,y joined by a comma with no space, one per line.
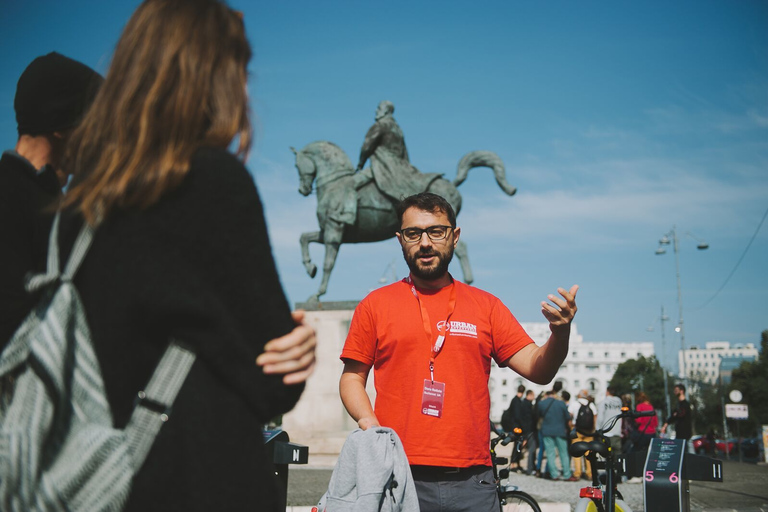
588,505
518,501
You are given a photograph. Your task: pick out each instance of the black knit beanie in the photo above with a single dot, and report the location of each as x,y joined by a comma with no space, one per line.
53,93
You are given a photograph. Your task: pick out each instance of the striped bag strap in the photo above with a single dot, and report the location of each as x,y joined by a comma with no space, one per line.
153,406
76,257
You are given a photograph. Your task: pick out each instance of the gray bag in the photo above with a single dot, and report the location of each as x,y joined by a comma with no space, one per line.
58,448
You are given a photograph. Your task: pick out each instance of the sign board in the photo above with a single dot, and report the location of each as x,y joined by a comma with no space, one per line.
737,411
663,485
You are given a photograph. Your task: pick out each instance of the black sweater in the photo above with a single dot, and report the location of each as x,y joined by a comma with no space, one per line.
197,266
25,194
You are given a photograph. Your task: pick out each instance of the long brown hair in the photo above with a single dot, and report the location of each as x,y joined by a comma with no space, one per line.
177,82
641,397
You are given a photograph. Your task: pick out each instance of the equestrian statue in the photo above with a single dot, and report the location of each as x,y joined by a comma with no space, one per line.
356,205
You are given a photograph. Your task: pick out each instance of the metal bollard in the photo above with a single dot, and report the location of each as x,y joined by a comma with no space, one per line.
282,453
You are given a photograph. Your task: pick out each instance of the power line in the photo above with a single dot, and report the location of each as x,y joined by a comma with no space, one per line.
738,262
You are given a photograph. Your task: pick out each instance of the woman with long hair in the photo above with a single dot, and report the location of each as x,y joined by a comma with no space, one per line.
181,251
645,426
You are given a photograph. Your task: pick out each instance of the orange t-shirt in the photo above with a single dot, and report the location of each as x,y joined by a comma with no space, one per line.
387,332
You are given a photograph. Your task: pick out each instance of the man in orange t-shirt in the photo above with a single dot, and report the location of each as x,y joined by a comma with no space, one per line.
430,340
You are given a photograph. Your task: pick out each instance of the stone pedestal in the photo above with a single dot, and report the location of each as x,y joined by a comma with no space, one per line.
319,419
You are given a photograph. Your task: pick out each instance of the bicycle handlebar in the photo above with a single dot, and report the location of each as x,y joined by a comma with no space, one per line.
626,412
505,437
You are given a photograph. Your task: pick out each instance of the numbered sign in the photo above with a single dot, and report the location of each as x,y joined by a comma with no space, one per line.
663,485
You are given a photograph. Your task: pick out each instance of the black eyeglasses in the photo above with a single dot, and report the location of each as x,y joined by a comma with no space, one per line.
435,233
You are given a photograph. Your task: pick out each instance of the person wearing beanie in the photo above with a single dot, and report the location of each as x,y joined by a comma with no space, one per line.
52,95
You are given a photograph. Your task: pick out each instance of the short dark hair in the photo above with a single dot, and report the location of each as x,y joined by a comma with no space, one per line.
426,202
611,390
566,395
557,386
681,386
521,389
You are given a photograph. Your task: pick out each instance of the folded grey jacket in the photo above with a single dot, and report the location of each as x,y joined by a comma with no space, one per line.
372,474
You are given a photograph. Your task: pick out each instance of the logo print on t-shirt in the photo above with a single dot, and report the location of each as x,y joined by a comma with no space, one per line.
457,328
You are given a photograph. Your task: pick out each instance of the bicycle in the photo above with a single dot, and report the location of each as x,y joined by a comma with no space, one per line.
607,497
511,499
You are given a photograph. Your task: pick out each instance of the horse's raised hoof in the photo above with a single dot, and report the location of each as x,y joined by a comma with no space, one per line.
311,269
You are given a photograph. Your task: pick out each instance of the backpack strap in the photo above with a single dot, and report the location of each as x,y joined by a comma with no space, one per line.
53,269
153,406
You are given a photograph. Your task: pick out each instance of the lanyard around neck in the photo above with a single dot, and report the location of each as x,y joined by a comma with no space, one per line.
442,328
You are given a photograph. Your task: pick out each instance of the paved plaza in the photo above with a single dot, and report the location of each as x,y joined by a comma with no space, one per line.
745,489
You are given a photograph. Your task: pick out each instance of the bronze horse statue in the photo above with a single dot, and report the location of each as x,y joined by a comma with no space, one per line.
349,215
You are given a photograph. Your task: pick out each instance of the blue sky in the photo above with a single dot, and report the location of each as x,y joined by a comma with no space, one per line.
616,121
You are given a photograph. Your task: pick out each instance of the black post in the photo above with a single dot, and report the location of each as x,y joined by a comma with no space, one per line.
282,452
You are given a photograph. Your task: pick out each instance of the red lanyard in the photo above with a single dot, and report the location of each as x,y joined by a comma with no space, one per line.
442,328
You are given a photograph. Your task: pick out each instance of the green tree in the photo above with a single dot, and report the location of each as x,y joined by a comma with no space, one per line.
751,378
707,407
643,374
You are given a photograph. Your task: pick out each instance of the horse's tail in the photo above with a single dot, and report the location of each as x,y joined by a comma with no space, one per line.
484,159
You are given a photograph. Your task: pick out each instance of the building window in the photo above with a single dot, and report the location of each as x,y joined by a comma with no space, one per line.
577,383
590,355
504,382
607,354
623,355
592,367
575,354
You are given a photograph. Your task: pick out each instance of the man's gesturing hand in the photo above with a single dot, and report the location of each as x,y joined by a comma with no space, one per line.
561,312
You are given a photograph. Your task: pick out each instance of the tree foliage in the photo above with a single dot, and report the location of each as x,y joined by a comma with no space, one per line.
643,374
751,378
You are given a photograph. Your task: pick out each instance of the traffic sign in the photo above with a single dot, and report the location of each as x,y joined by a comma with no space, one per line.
737,411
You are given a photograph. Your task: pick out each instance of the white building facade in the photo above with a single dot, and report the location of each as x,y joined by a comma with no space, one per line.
589,365
705,363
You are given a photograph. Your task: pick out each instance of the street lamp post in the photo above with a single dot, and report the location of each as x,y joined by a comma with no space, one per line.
665,240
664,318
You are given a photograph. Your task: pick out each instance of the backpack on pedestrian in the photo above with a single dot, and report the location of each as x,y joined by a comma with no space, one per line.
585,420
59,450
507,420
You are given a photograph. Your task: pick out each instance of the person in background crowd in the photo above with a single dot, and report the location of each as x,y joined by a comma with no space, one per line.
584,416
627,427
606,411
512,418
530,432
645,426
555,429
681,417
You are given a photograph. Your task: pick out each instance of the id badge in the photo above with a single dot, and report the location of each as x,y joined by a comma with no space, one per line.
432,398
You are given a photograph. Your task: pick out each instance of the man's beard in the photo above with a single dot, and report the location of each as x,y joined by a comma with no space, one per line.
431,273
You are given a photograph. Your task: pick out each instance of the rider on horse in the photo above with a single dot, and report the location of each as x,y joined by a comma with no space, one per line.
390,166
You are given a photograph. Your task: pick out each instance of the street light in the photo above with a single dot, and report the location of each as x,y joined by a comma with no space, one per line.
663,318
664,241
